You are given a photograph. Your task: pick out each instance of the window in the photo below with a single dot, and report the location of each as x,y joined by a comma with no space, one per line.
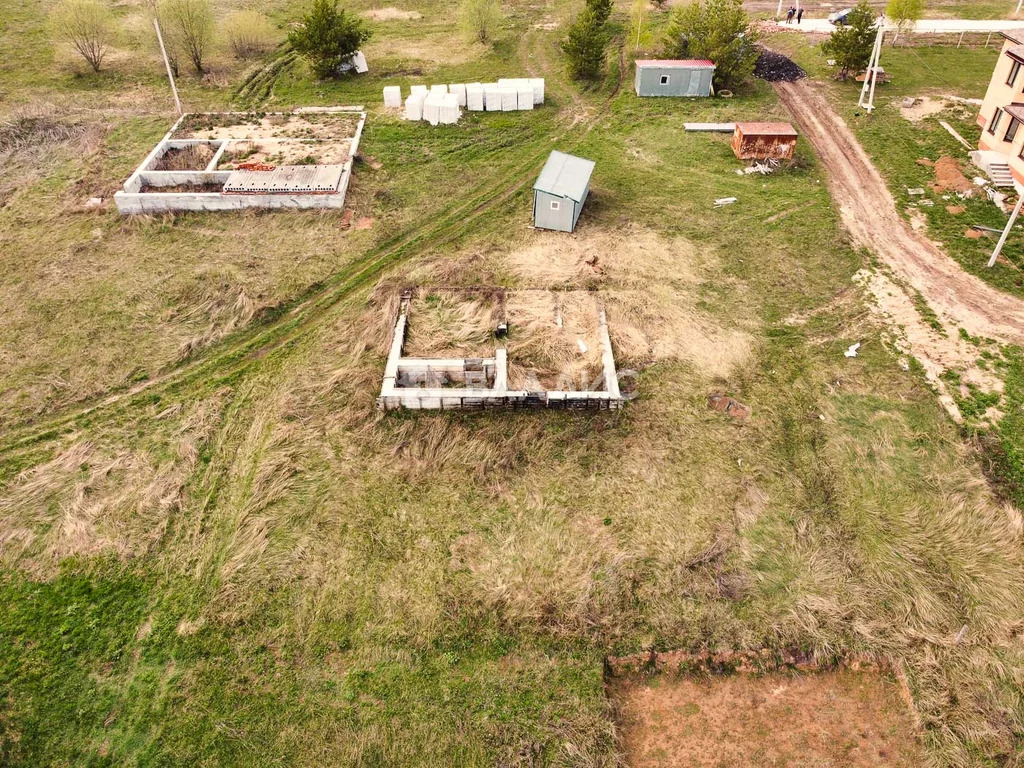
1013,72
1012,130
555,205
994,122
664,79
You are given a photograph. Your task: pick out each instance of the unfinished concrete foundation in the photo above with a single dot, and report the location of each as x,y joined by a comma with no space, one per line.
585,380
228,161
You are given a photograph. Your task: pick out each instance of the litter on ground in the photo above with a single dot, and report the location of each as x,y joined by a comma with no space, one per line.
852,350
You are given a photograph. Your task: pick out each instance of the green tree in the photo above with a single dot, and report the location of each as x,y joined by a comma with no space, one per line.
584,46
718,30
328,38
851,44
479,19
87,26
188,29
904,14
602,9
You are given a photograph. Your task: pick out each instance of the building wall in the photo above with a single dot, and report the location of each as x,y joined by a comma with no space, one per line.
545,217
998,96
681,82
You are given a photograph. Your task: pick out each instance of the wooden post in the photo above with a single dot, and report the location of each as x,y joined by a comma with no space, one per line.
1006,231
1019,2
167,63
778,12
960,39
988,39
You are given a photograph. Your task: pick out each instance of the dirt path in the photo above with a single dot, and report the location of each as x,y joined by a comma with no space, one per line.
869,213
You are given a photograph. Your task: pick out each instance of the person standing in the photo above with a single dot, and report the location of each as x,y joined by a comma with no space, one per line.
789,14
799,15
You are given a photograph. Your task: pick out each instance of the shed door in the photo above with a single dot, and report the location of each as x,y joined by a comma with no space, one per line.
694,88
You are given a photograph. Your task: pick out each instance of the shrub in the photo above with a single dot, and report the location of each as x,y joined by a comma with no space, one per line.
85,25
249,34
602,9
188,28
480,18
328,38
716,30
584,45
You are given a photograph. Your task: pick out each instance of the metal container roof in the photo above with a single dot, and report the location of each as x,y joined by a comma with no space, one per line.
766,129
565,176
685,63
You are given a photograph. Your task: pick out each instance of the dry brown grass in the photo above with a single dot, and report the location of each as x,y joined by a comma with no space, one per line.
91,499
191,158
451,323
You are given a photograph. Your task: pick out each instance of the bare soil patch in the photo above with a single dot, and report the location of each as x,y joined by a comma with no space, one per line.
869,213
841,718
949,177
193,158
924,106
391,14
320,126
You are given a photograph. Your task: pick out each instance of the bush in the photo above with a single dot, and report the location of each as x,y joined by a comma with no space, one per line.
85,25
249,34
188,28
584,45
328,38
717,30
480,18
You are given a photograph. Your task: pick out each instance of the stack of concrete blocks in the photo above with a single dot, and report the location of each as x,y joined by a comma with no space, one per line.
459,90
418,90
450,110
475,97
392,96
509,98
438,90
534,84
492,97
414,106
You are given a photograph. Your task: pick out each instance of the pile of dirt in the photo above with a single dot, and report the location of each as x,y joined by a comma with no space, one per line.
949,177
775,68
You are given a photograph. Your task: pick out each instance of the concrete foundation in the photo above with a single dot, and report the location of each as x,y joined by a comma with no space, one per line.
457,383
138,196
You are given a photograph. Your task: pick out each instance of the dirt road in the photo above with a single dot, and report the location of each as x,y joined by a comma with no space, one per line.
869,213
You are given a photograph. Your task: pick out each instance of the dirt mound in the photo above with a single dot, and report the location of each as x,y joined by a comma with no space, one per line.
774,67
949,177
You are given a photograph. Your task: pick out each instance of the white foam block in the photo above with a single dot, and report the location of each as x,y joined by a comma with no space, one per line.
459,90
439,89
524,97
492,97
509,99
537,83
475,97
392,96
418,89
414,107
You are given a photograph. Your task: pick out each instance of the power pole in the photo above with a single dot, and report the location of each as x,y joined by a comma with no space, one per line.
1006,231
871,76
167,63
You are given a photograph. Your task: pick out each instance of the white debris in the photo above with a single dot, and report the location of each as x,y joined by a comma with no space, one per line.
852,351
915,191
94,202
582,346
724,201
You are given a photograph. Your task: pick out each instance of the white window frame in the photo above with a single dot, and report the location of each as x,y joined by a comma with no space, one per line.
556,205
664,79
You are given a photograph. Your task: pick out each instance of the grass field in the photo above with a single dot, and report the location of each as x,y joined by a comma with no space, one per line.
215,551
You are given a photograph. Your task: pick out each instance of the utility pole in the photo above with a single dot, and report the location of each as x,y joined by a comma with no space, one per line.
167,63
1019,3
871,76
1006,231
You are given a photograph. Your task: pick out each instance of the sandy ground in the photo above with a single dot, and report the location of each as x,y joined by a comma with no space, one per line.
916,263
849,719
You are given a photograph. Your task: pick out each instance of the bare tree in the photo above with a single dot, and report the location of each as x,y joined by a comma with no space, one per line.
188,26
480,19
87,26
